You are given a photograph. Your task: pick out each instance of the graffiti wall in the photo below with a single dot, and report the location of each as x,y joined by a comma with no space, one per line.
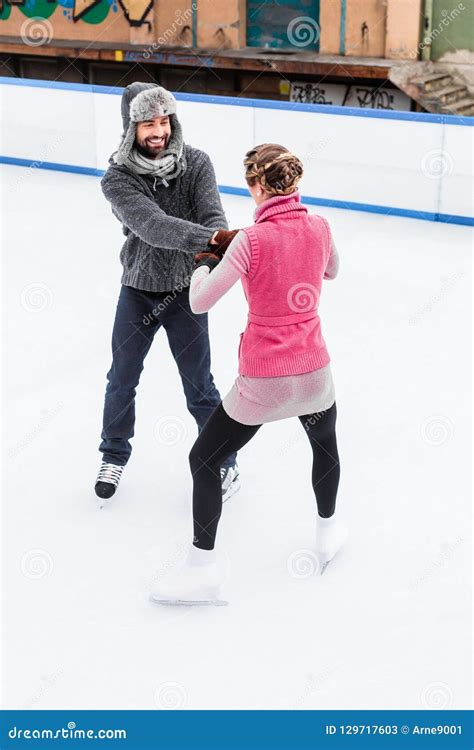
360,28
172,23
39,21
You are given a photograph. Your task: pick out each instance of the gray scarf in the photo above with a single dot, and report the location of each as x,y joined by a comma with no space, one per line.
168,165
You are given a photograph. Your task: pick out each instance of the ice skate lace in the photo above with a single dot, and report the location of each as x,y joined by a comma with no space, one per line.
227,477
110,473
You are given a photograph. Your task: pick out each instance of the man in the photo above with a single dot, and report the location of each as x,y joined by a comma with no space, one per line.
165,194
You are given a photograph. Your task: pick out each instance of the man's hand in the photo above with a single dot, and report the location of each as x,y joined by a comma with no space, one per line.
221,240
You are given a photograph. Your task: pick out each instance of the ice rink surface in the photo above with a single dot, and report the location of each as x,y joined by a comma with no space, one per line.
386,626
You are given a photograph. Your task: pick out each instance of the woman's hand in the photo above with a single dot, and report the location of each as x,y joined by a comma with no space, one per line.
221,240
219,243
211,260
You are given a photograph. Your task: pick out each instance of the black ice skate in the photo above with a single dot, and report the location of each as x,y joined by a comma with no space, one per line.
107,481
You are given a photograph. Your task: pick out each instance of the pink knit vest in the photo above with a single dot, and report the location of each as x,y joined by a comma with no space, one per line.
290,251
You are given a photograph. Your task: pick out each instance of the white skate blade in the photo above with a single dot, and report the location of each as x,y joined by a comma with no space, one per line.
235,487
190,603
323,564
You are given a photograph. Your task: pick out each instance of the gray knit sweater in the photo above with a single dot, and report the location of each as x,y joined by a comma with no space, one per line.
165,226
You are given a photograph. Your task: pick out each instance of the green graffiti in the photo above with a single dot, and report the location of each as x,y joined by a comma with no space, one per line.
90,11
5,11
97,13
46,8
38,9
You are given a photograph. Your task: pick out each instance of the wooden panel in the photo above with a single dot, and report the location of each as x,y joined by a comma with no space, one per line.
365,28
330,22
403,29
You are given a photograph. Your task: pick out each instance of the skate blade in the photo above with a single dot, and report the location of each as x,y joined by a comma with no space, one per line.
196,603
323,566
235,487
104,502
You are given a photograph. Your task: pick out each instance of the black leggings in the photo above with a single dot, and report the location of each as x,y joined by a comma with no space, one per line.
221,436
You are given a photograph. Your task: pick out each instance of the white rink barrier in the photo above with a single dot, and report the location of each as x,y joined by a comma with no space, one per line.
398,163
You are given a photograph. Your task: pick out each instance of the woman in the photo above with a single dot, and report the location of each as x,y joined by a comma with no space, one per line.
284,366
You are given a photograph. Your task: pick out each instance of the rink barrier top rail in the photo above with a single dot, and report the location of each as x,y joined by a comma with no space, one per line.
256,103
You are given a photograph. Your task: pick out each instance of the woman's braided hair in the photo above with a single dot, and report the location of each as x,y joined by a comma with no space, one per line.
276,168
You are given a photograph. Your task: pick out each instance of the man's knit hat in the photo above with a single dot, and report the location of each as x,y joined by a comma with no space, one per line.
143,101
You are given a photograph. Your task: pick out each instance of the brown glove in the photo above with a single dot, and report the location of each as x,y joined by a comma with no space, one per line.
222,241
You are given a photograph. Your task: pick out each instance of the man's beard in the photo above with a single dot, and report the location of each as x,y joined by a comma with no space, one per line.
150,153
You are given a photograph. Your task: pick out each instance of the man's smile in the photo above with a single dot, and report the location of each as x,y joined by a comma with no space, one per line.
156,142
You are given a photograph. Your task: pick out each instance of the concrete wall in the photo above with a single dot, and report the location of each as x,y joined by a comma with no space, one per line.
452,29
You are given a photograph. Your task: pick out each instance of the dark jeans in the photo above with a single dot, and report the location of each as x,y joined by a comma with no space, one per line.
139,316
